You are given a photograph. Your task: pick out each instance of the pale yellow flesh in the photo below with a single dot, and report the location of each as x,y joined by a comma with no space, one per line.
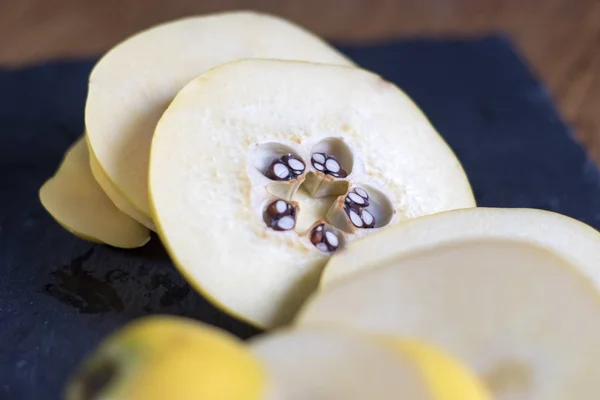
204,199
115,195
573,240
76,201
173,358
320,364
134,82
525,321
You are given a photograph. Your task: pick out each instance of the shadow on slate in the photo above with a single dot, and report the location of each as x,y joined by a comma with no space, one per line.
60,295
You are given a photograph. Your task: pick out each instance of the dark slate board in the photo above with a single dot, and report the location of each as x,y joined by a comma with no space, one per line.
60,295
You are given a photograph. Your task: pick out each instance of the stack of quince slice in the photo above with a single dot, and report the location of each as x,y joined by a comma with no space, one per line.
299,191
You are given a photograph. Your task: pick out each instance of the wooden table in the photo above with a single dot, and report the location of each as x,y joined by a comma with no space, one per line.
560,38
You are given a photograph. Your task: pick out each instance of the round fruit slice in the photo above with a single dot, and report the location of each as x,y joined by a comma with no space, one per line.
77,202
234,146
134,82
170,358
573,240
328,364
113,193
524,320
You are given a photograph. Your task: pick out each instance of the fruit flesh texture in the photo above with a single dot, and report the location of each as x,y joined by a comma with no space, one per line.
133,83
524,320
200,168
164,357
575,241
320,364
77,202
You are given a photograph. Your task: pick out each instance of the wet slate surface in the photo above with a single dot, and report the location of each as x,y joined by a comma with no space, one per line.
60,295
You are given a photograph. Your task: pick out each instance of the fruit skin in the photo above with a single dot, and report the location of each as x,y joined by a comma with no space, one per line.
446,377
113,192
143,73
168,357
573,240
77,202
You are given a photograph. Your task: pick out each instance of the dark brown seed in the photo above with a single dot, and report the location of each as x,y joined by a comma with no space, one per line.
295,165
285,168
278,171
367,218
328,164
359,217
355,198
316,236
280,215
324,240
319,158
362,193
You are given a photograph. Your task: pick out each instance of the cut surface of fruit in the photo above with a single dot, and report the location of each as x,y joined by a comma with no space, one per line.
573,240
164,357
76,201
323,364
211,186
524,320
134,82
115,195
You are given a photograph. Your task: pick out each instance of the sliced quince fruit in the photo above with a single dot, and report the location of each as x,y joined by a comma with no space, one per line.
115,195
524,319
569,238
134,82
222,153
165,357
321,364
76,201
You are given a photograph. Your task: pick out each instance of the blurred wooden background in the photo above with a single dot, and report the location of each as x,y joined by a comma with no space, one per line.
560,38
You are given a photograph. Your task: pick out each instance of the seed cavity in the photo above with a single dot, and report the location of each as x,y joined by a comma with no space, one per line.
355,206
328,164
280,215
324,240
285,168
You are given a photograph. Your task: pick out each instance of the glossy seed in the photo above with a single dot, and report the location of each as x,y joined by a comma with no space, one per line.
368,219
332,165
362,193
355,218
280,216
323,240
318,158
